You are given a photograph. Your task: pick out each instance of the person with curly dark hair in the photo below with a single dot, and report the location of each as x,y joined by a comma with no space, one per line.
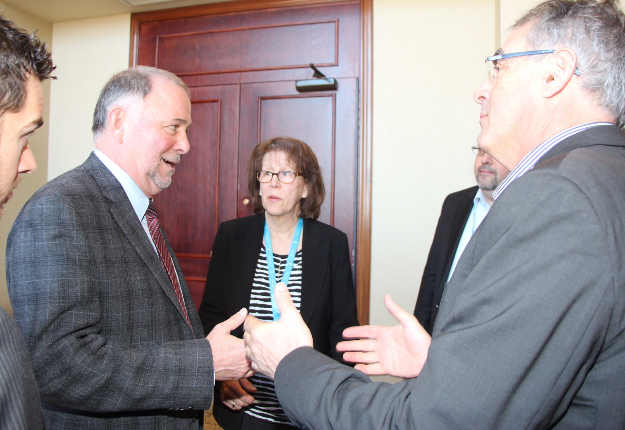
24,63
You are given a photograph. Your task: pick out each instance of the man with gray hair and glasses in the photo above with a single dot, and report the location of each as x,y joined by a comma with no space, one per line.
115,338
531,329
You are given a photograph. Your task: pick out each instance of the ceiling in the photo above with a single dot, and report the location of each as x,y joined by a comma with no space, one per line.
67,10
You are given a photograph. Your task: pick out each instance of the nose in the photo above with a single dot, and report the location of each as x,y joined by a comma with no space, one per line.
183,145
487,159
482,92
274,181
27,162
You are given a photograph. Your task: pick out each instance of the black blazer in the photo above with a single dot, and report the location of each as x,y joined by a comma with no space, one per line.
328,304
456,209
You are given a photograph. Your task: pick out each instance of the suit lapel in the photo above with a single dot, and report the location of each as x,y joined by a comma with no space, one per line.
460,217
246,247
314,268
124,215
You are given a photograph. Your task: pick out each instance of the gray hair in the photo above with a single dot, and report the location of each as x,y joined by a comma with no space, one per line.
128,89
595,30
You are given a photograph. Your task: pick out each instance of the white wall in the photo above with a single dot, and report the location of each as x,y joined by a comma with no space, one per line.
428,58
87,53
38,142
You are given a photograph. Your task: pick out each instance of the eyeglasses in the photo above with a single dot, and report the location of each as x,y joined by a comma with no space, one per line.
493,69
477,151
284,176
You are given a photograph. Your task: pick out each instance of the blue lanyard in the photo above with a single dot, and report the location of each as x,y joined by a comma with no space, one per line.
271,268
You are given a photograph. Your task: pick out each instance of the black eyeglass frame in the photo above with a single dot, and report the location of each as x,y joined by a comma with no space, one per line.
277,174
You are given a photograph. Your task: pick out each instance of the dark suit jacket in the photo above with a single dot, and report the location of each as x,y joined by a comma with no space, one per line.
531,331
20,406
328,302
456,209
109,343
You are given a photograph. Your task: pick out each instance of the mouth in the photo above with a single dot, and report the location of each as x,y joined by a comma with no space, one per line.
171,162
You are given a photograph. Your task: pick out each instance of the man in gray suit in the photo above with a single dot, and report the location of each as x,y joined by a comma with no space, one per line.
115,338
531,330
24,63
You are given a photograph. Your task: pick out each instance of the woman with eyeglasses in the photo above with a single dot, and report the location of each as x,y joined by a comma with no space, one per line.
283,242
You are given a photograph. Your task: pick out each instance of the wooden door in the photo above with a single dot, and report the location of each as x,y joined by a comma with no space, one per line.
241,68
191,208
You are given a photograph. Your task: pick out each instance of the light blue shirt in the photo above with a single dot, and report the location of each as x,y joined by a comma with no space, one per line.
477,215
138,199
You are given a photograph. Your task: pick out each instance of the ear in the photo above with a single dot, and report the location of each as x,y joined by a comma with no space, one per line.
116,119
561,71
305,192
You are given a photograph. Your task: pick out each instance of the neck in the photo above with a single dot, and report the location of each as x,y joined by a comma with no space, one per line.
488,194
281,226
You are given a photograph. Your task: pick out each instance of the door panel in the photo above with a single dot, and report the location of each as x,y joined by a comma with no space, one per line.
204,189
255,46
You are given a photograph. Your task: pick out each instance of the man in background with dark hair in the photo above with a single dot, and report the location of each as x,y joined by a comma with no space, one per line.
461,215
24,63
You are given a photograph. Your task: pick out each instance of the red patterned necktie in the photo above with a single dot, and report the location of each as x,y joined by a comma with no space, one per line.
154,226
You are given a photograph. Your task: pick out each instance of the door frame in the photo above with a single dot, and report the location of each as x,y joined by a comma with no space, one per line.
365,101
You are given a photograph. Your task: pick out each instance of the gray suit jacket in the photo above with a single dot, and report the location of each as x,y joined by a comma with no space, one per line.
20,407
531,332
109,343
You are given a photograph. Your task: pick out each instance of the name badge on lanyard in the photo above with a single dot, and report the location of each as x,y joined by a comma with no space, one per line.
271,268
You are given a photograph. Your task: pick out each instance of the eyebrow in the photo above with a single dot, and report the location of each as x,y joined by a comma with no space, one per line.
182,121
37,123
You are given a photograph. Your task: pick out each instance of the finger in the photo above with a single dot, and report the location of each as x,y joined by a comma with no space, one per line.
283,299
233,322
250,322
361,357
247,385
405,319
229,404
371,369
361,332
357,345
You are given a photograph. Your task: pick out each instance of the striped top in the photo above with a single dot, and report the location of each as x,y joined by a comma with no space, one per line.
266,405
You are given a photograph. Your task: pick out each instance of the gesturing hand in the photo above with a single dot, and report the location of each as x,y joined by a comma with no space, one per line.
267,343
229,360
397,351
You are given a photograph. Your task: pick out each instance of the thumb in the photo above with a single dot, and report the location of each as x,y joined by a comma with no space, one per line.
234,321
283,298
405,319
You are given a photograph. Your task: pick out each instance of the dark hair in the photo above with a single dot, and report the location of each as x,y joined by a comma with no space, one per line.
595,30
304,161
127,88
21,55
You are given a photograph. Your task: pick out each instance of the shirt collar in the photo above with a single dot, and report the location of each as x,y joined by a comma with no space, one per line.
480,198
138,199
529,161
